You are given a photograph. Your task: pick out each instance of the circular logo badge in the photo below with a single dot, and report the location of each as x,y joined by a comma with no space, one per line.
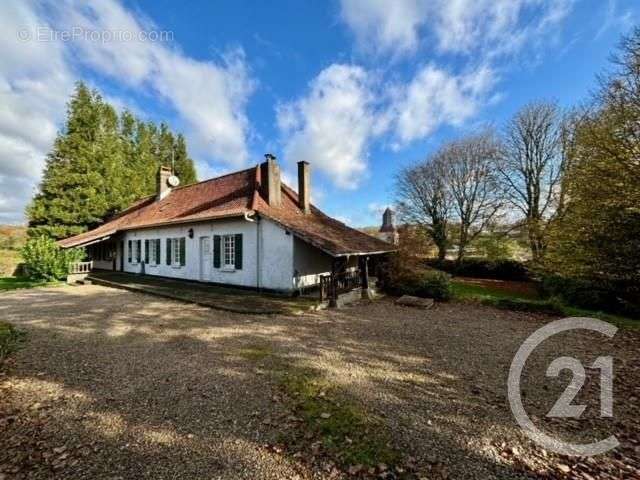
562,408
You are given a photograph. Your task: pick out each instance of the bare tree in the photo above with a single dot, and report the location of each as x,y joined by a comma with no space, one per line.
424,199
532,167
472,180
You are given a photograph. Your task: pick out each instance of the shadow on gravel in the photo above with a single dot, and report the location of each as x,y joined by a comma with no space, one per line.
117,384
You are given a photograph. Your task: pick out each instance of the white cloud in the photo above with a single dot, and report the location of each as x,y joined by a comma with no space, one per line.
615,18
345,110
384,25
34,85
331,126
209,96
435,97
37,77
492,27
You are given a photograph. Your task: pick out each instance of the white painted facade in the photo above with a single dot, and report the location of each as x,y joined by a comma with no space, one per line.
272,257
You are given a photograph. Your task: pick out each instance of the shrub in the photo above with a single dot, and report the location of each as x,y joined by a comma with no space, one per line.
419,283
502,269
591,294
45,260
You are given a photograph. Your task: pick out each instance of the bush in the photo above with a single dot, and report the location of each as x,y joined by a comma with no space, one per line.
419,283
502,269
591,295
45,260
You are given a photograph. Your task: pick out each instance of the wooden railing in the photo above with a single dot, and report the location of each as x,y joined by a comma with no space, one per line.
344,282
325,287
347,281
80,267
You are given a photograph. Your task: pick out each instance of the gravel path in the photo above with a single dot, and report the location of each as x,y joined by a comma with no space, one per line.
113,384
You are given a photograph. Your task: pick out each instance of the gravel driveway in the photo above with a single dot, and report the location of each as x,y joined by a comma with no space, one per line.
113,384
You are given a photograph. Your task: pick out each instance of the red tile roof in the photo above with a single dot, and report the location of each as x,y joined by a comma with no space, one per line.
232,195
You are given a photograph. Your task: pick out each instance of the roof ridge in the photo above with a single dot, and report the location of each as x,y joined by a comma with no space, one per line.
212,179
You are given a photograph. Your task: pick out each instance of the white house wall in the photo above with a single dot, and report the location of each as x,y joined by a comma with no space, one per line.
308,264
276,245
191,270
275,265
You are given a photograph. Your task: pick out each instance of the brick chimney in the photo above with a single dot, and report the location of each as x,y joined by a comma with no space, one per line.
304,186
270,179
163,187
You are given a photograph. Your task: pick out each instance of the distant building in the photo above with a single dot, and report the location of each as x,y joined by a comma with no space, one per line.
388,231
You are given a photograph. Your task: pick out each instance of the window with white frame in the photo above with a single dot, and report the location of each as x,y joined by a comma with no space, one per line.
135,251
229,251
175,244
153,245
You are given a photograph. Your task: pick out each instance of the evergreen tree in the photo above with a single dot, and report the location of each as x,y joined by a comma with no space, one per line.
183,164
100,163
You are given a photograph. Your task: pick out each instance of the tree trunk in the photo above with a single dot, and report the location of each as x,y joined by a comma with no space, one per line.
462,245
536,240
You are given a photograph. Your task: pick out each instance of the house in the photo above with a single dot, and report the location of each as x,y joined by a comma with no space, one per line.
246,229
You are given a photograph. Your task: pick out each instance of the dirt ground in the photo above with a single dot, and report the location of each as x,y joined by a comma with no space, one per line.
113,384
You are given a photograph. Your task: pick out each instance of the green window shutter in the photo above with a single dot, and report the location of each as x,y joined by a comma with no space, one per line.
168,251
129,251
138,252
238,251
216,251
146,251
157,251
183,252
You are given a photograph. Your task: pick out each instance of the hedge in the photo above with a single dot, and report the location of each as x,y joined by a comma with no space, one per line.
505,269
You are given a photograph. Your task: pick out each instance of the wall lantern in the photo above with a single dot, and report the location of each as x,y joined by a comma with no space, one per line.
190,233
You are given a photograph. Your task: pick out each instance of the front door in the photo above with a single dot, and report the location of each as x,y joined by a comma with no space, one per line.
205,259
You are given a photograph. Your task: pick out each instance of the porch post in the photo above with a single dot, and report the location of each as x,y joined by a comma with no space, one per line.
364,277
333,288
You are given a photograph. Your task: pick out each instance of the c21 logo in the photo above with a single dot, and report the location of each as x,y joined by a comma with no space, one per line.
563,407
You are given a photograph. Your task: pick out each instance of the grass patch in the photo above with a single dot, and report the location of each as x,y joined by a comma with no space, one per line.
550,307
256,353
469,291
10,339
13,283
345,430
9,260
530,302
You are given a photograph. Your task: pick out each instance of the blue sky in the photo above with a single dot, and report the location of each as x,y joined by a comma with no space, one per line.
357,88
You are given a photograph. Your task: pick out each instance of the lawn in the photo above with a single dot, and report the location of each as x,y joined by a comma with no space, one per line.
13,283
524,296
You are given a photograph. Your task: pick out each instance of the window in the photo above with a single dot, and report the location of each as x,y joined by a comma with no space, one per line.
176,252
152,251
175,244
229,257
132,256
227,252
135,251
